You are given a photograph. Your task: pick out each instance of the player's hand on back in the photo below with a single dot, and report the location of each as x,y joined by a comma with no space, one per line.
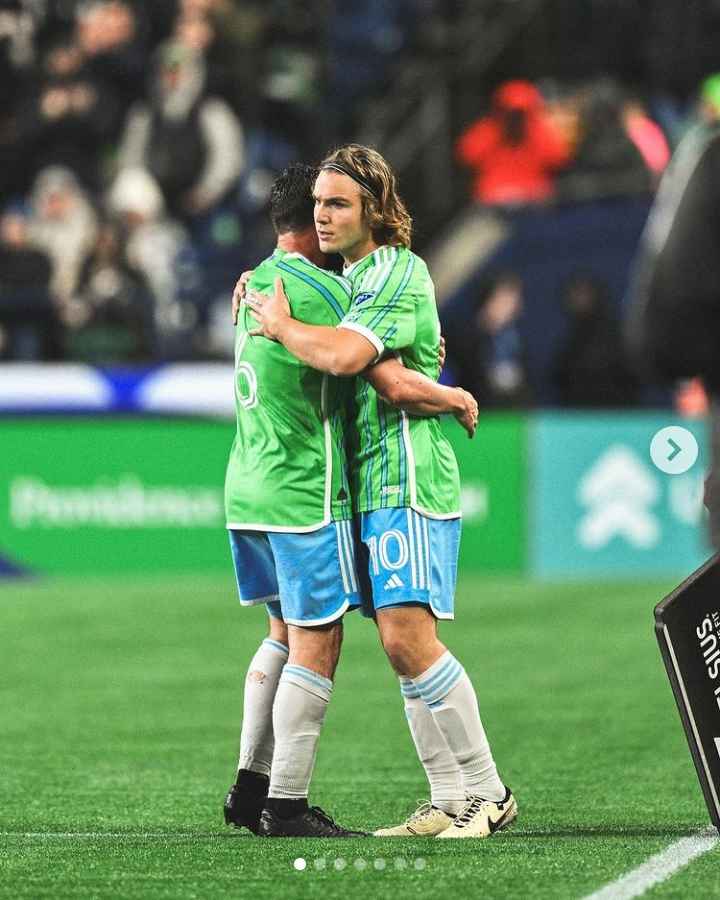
270,310
239,293
441,353
467,411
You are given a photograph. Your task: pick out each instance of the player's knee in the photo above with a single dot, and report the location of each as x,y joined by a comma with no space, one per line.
316,647
398,648
278,631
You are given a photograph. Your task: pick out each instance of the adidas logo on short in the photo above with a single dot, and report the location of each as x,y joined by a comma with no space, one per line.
394,581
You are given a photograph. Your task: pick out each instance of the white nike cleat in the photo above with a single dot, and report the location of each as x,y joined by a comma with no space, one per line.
426,821
481,818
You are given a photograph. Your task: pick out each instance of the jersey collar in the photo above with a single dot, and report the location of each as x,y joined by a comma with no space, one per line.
279,253
348,270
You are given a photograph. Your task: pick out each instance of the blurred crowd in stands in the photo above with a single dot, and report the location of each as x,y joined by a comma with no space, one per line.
137,145
588,368
594,142
138,142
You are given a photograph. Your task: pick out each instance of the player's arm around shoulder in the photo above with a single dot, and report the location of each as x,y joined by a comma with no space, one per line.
340,352
419,395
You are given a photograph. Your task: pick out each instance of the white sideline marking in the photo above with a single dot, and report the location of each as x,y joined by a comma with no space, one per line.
657,868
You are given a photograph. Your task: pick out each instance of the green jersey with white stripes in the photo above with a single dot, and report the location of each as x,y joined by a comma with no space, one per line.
287,466
398,460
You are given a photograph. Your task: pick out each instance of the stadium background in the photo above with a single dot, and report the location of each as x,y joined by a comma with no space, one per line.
123,650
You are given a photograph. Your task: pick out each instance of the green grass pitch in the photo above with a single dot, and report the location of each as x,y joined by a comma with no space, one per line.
119,716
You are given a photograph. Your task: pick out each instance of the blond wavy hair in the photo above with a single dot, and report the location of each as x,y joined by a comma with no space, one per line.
384,210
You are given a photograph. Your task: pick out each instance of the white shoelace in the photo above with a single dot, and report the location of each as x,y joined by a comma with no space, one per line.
423,811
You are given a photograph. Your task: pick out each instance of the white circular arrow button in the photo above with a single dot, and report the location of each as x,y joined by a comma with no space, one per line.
674,450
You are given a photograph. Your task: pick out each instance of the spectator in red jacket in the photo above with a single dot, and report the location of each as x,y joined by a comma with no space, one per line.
515,150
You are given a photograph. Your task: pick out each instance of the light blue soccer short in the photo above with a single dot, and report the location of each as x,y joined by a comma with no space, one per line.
305,579
408,558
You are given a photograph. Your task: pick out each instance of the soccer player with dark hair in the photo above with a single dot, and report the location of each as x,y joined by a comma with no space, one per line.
404,482
288,511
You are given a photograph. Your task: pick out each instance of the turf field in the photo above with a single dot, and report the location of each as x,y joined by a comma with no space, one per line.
119,715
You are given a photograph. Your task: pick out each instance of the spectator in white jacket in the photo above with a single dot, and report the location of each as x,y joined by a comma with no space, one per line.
63,224
190,143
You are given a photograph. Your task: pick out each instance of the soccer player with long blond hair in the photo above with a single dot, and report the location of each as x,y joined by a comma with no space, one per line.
404,483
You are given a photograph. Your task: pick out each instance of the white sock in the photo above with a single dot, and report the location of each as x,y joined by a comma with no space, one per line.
298,713
446,785
256,737
450,697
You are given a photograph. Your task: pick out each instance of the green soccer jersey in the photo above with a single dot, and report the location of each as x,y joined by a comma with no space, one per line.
398,460
287,466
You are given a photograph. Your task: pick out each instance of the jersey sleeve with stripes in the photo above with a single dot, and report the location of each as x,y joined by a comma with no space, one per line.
383,306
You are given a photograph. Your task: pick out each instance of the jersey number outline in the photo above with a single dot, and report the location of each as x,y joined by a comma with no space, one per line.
380,551
249,400
245,369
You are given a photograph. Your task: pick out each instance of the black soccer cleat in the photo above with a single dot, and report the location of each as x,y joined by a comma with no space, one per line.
244,804
313,822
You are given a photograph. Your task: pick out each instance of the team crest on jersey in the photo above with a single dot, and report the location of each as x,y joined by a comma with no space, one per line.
361,298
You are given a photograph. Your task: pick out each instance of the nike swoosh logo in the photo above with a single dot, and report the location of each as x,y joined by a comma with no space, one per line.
496,826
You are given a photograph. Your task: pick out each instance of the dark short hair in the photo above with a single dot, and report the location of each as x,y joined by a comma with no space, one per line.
291,200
